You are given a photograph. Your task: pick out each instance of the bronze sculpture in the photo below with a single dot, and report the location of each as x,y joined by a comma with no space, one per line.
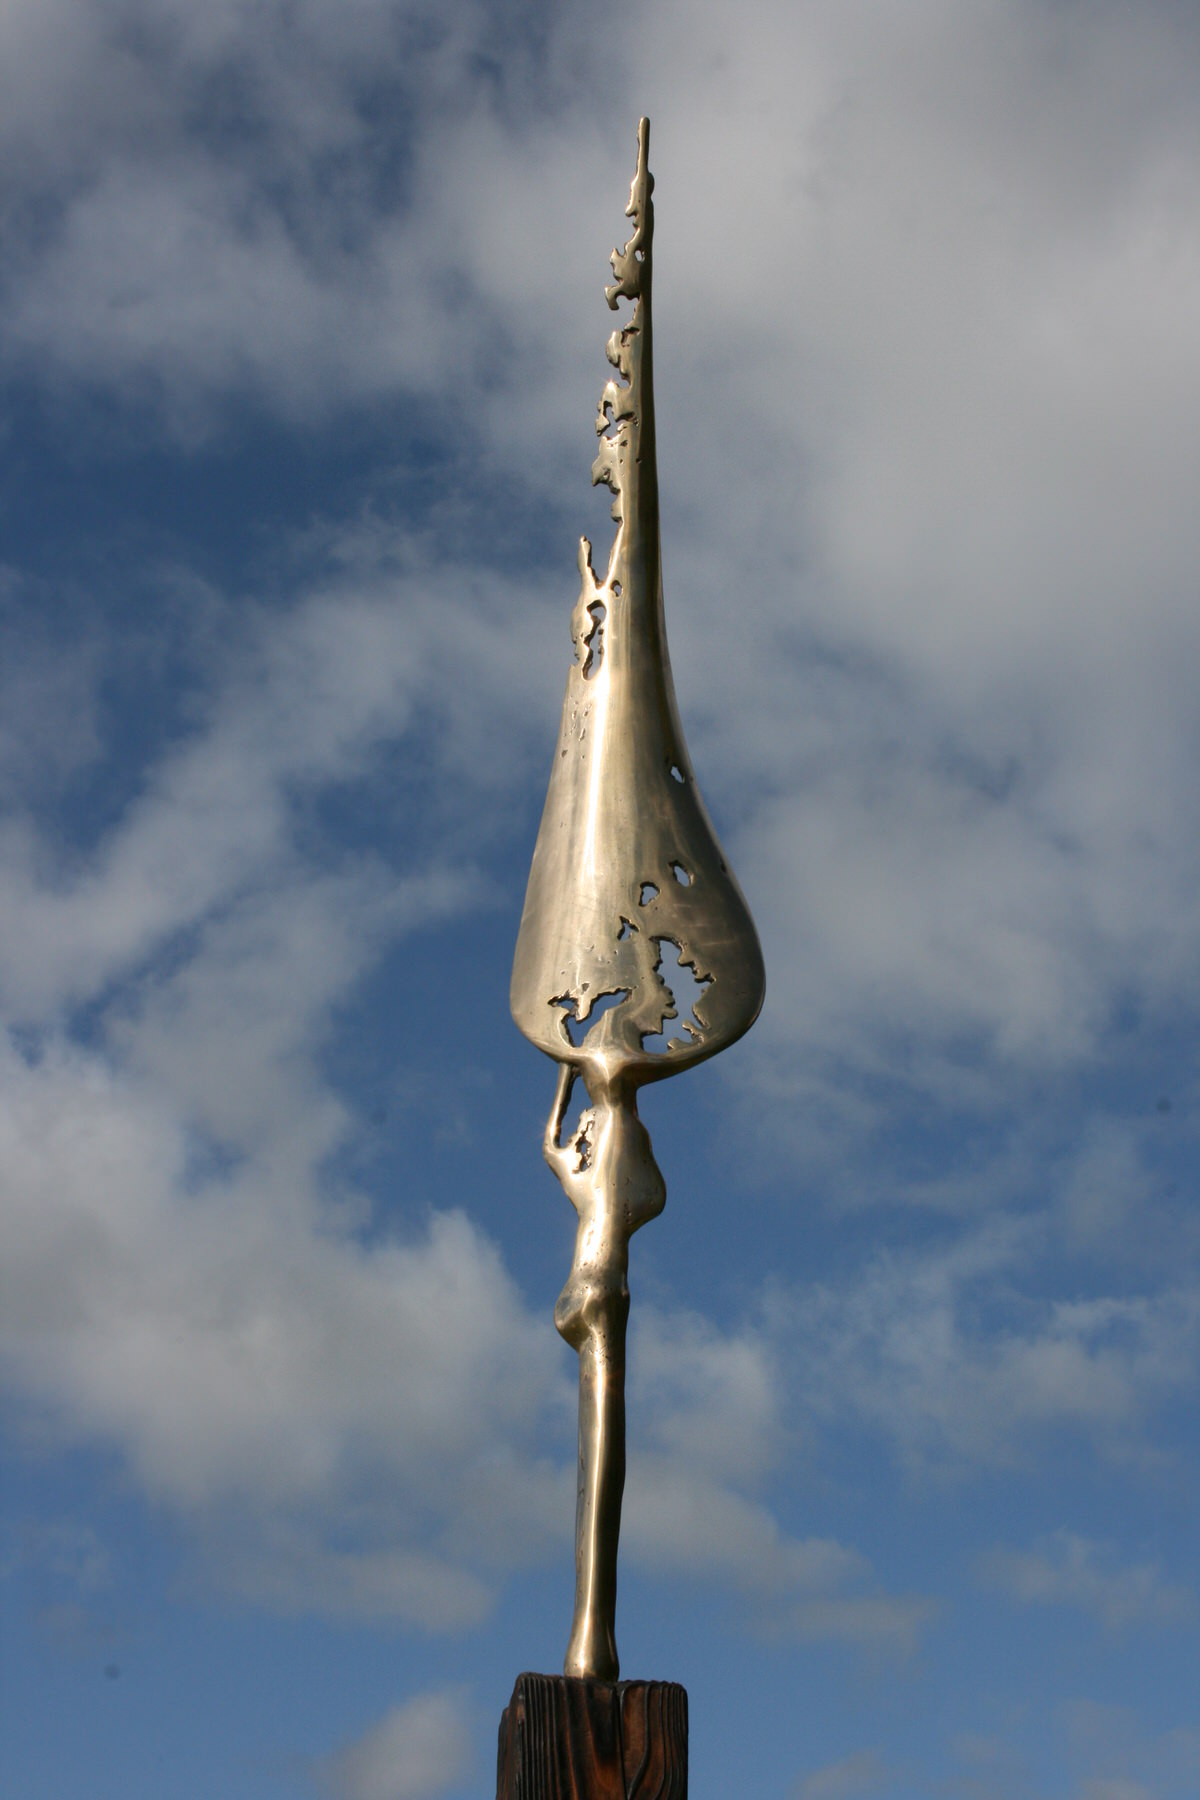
628,882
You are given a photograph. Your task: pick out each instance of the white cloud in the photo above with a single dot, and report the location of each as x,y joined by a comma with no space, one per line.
994,1768
1068,1570
1108,1195
346,1422
48,723
926,347
705,1398
1121,1757
70,1579
353,1428
303,702
705,1436
927,350
966,530
70,1552
953,1355
250,1359
418,1749
252,206
861,1773
188,1285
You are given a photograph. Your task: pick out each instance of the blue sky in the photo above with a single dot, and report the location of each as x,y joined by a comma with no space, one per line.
301,336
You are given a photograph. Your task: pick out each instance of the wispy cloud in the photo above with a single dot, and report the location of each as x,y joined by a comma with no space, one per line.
190,1286
347,1424
1068,1570
1120,1757
928,380
951,1356
707,1435
859,1774
954,455
254,1364
304,703
420,1748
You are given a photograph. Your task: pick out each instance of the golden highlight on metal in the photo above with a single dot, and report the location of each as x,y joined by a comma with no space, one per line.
630,897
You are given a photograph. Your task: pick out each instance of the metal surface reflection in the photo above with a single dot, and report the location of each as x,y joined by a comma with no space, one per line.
630,899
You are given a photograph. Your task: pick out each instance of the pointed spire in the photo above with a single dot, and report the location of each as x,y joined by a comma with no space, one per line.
629,885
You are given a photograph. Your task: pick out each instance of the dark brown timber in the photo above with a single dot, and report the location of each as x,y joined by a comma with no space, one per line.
565,1739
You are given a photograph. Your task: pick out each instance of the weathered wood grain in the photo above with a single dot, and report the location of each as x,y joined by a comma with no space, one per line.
562,1739
654,1733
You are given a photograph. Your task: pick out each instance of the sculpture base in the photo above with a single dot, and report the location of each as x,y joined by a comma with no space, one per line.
562,1739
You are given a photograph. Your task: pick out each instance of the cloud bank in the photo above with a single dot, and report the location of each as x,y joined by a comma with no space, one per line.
928,380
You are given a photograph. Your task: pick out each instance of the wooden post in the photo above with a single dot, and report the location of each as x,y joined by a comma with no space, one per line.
562,1739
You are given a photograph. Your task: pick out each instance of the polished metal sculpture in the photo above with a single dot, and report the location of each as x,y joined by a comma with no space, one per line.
629,888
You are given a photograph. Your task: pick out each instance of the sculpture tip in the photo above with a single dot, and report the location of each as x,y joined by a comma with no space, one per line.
643,181
631,266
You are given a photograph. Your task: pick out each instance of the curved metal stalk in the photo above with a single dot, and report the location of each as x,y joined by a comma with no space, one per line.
611,1178
629,892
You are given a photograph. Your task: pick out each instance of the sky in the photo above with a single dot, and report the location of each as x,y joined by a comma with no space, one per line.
301,338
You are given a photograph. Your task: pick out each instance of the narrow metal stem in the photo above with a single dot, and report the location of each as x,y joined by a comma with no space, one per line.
611,1178
592,1647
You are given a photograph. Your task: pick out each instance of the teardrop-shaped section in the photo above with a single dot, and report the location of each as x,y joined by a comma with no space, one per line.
637,955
